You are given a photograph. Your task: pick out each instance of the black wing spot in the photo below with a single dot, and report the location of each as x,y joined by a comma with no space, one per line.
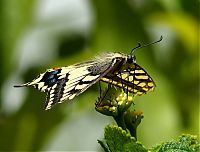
51,78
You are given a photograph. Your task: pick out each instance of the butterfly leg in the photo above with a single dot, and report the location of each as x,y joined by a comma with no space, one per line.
107,90
100,91
127,89
109,85
121,81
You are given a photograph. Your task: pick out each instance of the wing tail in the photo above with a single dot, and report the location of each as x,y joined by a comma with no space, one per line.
22,85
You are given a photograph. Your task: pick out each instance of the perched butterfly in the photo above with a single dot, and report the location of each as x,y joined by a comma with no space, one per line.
117,69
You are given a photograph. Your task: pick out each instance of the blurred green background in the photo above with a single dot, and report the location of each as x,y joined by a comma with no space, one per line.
36,35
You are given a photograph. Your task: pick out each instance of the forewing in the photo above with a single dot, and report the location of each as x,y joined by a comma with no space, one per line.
134,79
67,82
76,80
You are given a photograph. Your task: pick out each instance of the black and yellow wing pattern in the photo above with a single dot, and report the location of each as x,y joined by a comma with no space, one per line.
134,79
64,83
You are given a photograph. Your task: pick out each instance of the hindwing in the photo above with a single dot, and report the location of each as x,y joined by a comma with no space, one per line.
67,82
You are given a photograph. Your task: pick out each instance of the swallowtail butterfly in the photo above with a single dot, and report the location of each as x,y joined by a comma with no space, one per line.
118,69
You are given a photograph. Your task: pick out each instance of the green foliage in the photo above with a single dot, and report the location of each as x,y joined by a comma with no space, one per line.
123,138
118,140
185,143
117,103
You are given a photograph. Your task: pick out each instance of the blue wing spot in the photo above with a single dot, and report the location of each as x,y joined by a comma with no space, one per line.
51,78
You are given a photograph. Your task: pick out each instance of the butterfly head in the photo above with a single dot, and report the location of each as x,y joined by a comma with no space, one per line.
131,58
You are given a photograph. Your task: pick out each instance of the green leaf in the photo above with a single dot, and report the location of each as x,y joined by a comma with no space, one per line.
104,145
185,143
119,140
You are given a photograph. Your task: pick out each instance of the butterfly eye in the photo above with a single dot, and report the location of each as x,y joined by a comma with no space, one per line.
130,59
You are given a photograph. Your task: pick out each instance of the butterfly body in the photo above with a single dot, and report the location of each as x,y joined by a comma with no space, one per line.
118,69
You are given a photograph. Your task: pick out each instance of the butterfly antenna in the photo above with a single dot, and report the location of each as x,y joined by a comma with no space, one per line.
141,46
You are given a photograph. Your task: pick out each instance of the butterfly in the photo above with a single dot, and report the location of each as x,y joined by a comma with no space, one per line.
118,69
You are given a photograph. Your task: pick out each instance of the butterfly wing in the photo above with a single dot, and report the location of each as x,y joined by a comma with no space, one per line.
67,82
132,78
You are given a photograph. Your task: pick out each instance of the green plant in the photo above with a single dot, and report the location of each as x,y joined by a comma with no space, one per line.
123,136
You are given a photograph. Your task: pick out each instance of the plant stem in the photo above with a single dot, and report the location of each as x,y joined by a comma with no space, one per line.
120,120
133,131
